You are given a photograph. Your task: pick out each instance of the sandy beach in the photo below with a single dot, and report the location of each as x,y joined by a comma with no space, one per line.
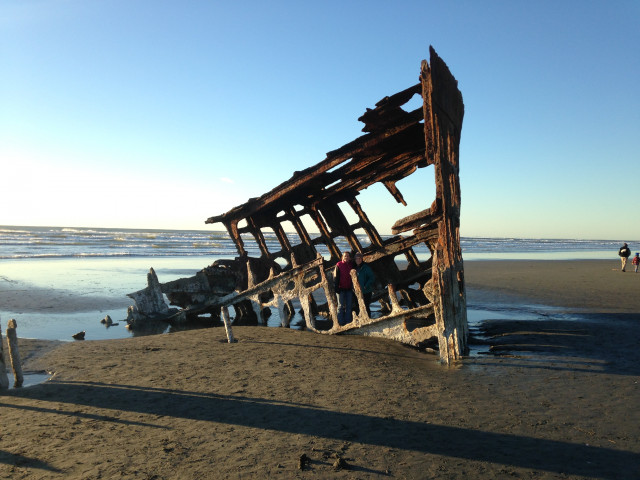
555,397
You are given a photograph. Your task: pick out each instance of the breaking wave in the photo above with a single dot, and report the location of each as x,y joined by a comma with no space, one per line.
56,242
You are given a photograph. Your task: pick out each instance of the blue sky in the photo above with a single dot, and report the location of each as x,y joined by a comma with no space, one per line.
159,114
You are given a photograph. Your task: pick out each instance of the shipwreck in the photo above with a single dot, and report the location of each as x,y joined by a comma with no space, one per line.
422,301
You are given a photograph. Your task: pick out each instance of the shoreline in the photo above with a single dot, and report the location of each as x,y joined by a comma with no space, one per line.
55,308
588,284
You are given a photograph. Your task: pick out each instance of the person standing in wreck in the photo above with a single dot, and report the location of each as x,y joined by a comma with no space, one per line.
366,279
344,288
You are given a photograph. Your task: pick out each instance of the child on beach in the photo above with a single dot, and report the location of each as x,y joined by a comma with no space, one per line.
636,261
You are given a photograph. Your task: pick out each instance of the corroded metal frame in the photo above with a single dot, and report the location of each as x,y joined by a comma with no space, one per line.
395,145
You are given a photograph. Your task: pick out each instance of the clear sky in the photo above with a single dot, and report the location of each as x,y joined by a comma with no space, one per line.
160,114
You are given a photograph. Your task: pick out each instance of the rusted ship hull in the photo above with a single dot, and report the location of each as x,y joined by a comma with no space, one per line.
422,302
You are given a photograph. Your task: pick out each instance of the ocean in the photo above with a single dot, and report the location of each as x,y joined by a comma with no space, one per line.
91,270
63,242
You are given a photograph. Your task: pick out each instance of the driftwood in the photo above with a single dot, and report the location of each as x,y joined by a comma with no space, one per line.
4,379
14,353
423,303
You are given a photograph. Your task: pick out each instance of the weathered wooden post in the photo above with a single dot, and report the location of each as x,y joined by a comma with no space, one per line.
4,380
14,353
227,324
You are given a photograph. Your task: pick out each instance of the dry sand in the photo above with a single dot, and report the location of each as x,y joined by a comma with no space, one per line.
561,401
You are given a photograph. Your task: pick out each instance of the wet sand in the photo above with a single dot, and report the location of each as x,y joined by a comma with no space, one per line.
597,286
550,398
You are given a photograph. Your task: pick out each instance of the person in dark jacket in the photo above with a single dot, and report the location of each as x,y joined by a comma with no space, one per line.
344,288
624,253
366,279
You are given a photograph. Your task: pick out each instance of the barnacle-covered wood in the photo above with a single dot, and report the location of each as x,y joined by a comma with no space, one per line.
423,302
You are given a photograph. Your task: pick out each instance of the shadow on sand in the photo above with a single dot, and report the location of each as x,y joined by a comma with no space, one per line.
589,341
518,451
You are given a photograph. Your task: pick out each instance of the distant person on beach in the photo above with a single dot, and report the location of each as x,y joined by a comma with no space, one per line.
366,279
636,261
344,288
624,253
